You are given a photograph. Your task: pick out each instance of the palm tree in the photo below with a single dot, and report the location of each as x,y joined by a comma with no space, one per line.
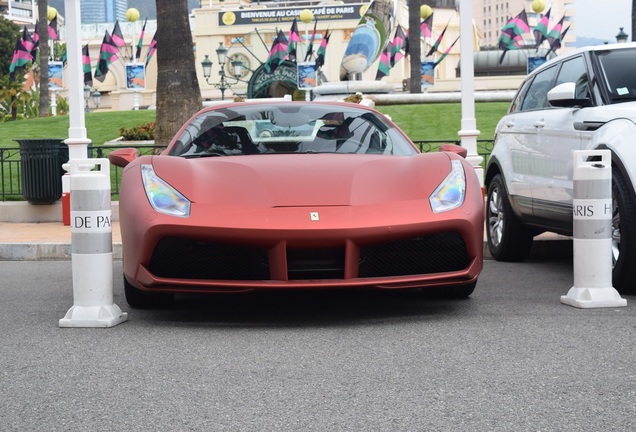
415,82
633,20
178,94
43,33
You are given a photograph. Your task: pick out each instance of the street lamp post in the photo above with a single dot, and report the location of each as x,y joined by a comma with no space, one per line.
307,16
621,37
87,95
223,84
97,98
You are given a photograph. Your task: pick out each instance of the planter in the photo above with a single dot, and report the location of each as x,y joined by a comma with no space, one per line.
121,142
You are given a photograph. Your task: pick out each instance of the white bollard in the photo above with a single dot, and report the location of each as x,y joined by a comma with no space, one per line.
91,247
592,218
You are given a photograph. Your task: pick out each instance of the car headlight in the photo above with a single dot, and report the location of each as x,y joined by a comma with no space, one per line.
163,197
450,193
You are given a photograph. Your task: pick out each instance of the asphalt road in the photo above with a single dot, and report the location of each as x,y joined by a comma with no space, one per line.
511,358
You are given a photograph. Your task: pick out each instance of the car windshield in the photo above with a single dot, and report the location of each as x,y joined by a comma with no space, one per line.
289,128
617,73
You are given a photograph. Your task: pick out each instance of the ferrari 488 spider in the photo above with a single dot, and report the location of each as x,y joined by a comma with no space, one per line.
296,195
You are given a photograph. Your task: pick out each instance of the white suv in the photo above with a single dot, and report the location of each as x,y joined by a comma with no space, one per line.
582,100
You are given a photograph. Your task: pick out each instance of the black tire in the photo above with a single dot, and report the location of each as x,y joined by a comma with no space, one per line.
508,238
139,299
623,235
450,292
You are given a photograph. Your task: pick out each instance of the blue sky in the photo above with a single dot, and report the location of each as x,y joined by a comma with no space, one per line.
602,20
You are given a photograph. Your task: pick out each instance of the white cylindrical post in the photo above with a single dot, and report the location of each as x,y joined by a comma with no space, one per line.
469,133
592,228
77,140
53,103
91,247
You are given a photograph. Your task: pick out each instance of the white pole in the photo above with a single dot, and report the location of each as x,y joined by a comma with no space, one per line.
92,276
134,61
53,103
92,247
77,141
592,229
307,91
469,132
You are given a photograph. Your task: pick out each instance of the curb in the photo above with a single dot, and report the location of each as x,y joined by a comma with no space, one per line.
43,251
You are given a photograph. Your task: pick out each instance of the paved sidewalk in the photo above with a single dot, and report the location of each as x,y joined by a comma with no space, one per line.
42,241
52,241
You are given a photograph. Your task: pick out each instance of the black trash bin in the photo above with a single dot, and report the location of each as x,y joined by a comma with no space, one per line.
42,171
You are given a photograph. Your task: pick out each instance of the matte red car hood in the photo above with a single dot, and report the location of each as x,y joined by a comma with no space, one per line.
304,179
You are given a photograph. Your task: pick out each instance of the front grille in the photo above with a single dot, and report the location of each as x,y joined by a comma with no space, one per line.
315,263
183,258
435,253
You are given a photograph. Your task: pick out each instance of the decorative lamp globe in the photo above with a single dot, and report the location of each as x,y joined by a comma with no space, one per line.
425,11
538,6
51,13
221,53
306,16
622,37
132,14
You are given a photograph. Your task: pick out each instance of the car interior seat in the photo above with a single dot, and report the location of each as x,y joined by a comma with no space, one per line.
243,138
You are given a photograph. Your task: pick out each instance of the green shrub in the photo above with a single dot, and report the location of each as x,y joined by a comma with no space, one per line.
9,118
141,132
61,105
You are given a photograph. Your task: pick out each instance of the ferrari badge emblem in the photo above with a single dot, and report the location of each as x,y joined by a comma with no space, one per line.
314,216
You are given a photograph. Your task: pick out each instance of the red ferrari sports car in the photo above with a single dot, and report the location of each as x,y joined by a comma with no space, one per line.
296,195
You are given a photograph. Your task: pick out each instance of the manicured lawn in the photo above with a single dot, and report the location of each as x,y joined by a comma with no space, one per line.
442,121
100,126
438,121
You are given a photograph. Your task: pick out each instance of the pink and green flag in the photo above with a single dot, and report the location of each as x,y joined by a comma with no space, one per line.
310,44
399,46
437,42
554,37
322,50
555,43
107,55
151,49
53,29
21,57
28,43
140,44
427,26
86,66
384,67
294,39
117,36
277,53
448,50
540,32
512,33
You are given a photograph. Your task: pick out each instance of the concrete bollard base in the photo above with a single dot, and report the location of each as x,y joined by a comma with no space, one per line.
93,316
593,298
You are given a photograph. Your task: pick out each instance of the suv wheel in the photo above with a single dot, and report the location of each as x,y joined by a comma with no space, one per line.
508,238
623,235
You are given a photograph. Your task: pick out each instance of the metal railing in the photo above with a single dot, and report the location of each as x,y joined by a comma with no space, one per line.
11,168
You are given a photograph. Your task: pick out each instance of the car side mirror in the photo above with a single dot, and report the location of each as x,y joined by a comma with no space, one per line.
122,157
454,148
564,96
